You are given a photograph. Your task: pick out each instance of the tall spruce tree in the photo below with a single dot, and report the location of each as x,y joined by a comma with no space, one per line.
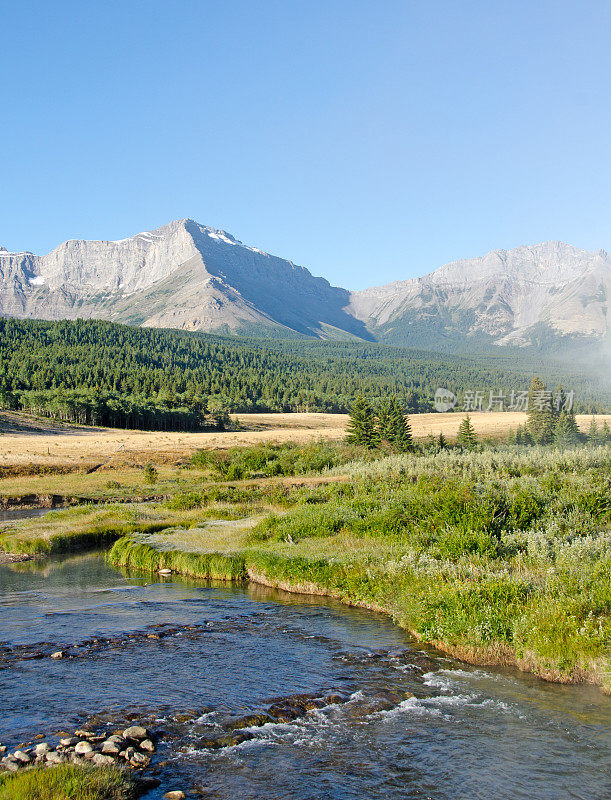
467,438
362,424
566,431
594,436
384,418
399,429
541,422
558,402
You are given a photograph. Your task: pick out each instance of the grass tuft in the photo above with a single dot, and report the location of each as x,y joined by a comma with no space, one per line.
68,782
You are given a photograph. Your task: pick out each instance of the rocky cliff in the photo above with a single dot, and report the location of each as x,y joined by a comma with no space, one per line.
185,275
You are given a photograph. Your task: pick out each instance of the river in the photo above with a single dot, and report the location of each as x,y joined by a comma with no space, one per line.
415,724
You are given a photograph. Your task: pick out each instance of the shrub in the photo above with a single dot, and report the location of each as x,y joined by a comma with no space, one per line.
150,474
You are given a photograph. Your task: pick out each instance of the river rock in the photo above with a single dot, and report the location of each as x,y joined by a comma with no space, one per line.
2,749
284,712
110,748
82,748
139,760
250,721
54,757
226,740
136,732
85,734
101,760
174,796
147,745
11,764
164,571
57,654
42,748
22,756
68,741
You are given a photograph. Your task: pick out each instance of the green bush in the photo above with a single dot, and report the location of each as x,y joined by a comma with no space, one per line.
184,501
150,474
269,460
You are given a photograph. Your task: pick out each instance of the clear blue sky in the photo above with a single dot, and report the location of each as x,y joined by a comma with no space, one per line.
369,141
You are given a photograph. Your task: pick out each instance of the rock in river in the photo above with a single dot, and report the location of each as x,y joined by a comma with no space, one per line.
111,748
136,732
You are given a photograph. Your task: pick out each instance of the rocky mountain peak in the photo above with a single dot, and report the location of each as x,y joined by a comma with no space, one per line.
197,277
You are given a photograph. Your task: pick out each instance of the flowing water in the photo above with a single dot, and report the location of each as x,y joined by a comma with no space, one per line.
415,724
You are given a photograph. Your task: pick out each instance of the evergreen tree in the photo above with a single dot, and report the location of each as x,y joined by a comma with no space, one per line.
594,436
441,442
523,436
362,424
467,438
558,401
566,431
384,418
399,429
605,433
540,424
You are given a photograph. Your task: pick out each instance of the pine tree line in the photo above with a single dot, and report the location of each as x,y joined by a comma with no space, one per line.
551,421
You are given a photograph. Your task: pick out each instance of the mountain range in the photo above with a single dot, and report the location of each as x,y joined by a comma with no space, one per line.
189,276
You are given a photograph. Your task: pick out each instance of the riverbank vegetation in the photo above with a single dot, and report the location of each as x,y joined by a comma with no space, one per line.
69,782
498,557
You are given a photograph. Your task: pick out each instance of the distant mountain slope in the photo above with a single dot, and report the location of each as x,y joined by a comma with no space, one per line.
88,370
550,296
182,275
518,297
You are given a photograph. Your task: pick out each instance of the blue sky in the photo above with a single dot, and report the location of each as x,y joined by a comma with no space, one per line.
368,141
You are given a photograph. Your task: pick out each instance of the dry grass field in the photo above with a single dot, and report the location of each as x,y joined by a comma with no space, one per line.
26,440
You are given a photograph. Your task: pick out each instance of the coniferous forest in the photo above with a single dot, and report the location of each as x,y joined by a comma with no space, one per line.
102,373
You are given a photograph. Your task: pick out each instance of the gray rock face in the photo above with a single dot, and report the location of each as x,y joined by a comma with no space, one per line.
185,275
507,296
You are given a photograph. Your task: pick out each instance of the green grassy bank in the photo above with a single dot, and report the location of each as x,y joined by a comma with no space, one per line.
69,782
496,557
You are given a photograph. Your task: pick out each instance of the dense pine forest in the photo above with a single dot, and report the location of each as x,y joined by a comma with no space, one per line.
101,373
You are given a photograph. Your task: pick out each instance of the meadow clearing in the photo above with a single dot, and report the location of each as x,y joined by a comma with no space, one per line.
26,440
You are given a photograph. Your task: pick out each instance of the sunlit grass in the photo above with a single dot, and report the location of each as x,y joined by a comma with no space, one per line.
68,782
105,483
499,557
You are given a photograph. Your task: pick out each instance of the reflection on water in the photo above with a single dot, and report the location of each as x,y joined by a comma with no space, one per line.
416,726
8,514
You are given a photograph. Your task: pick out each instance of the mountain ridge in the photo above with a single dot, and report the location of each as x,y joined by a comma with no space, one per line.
193,277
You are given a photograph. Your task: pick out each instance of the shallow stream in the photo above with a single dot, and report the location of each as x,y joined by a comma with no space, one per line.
415,724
